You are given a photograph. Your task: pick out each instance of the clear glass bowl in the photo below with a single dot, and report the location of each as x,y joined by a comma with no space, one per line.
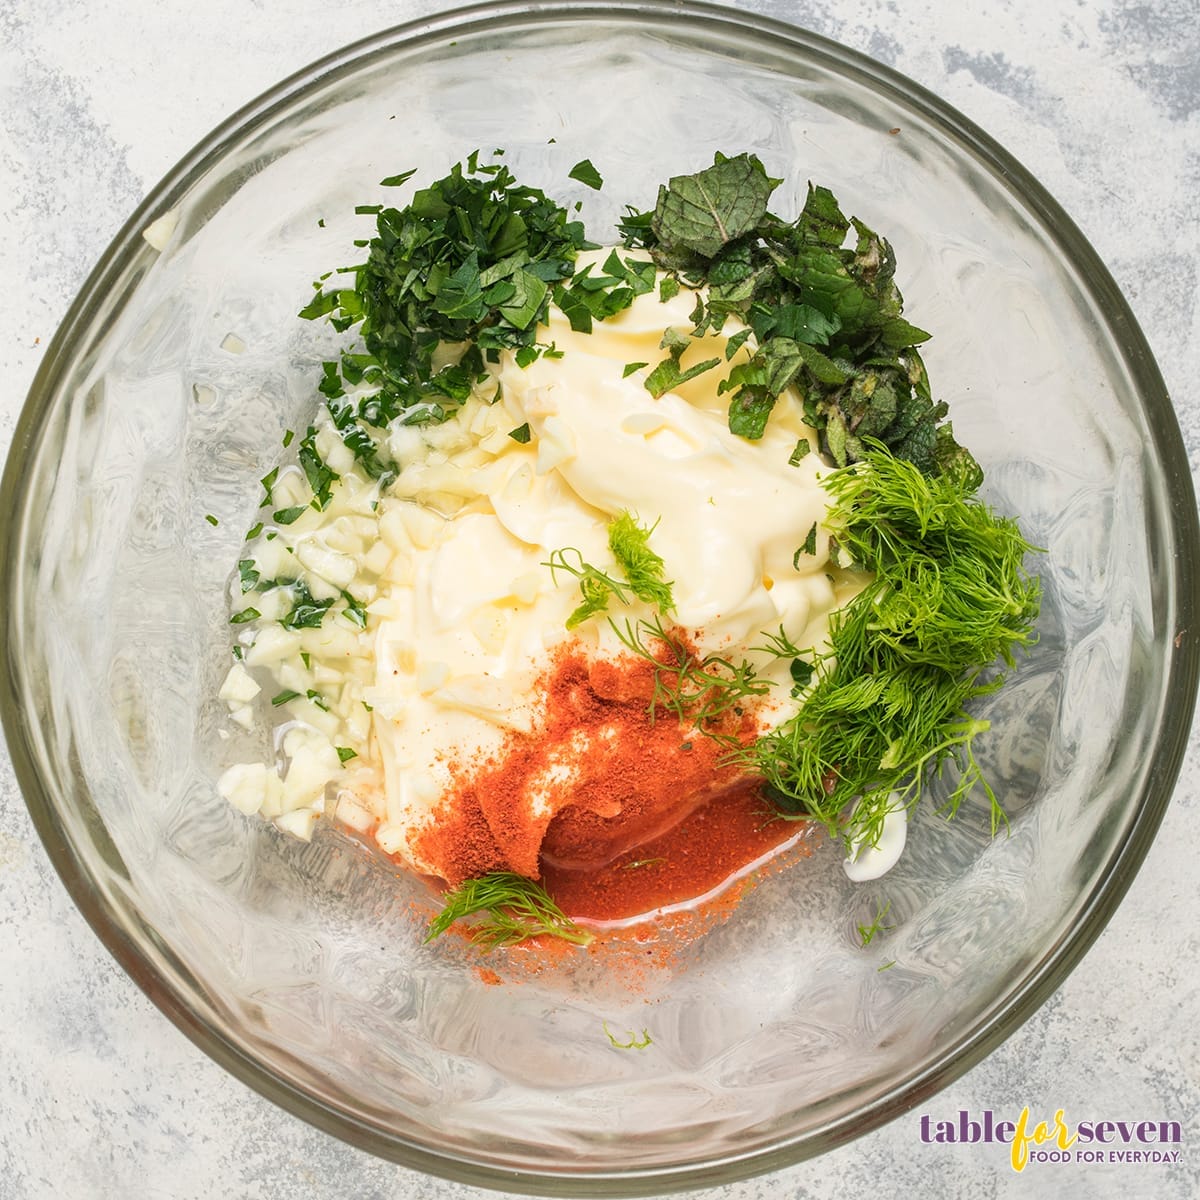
300,967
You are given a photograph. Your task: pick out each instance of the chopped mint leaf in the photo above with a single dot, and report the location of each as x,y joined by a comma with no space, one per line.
287,438
397,180
702,213
211,519
801,452
254,531
283,697
736,342
520,434
247,614
667,375
286,516
631,367
345,754
802,673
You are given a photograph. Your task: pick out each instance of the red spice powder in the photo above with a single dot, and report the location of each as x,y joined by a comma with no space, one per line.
616,811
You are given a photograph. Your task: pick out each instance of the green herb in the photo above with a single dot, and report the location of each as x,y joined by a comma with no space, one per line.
238,652
345,754
801,452
630,546
586,174
779,644
668,375
268,482
596,297
247,614
306,611
697,691
698,215
320,476
355,611
808,546
283,697
826,316
867,933
287,516
632,1041
211,519
521,434
516,908
643,569
287,438
306,660
248,574
254,531
630,368
802,673
946,595
471,261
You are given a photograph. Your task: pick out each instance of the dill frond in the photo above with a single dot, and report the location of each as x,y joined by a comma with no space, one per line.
517,908
949,597
697,691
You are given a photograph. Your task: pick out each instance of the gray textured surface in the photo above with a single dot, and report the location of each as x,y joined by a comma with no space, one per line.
99,1095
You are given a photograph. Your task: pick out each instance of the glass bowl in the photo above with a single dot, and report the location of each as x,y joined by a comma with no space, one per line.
300,967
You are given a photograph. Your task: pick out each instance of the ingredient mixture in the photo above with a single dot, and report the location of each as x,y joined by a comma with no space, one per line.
599,560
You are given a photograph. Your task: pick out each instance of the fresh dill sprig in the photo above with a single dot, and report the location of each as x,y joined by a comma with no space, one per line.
947,596
643,569
779,645
517,908
630,546
698,691
867,933
596,587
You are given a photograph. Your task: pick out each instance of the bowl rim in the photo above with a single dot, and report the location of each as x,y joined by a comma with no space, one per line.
969,1048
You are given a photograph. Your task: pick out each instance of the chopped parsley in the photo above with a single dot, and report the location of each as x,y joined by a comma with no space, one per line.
586,174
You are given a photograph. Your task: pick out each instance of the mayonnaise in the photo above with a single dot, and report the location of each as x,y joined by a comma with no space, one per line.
466,610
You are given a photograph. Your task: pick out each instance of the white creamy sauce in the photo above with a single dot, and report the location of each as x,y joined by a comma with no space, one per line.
468,614
865,862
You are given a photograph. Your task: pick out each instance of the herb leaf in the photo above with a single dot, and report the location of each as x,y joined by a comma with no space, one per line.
586,174
948,596
629,543
630,546
516,908
704,212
